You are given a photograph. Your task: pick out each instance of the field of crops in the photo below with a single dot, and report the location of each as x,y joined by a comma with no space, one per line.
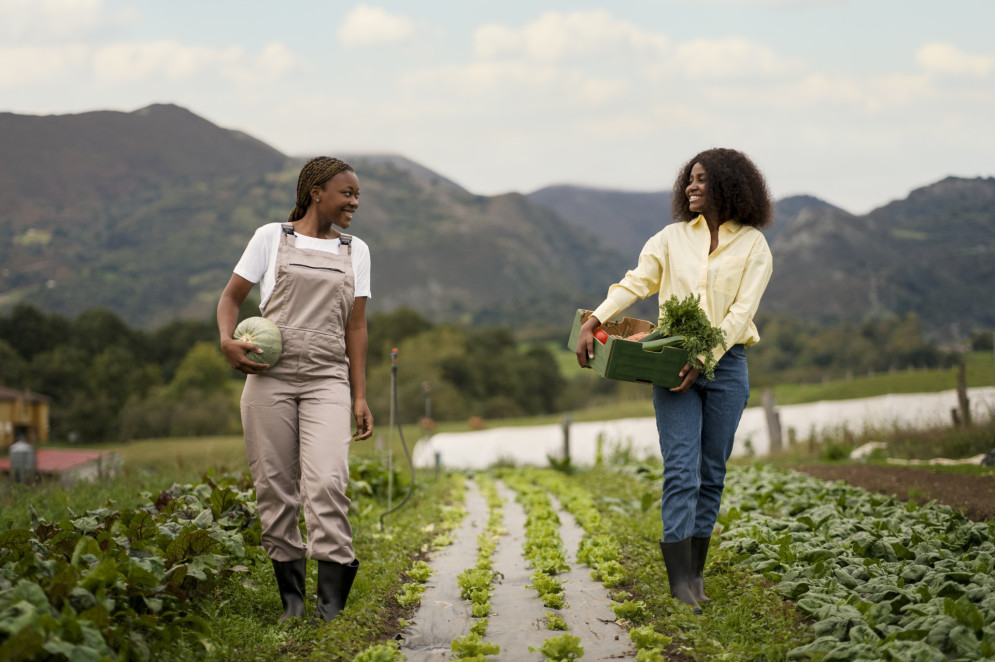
801,570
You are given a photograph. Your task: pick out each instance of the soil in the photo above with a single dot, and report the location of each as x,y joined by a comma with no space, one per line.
971,495
517,619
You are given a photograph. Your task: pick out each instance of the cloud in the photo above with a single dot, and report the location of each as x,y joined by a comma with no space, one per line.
589,60
371,26
730,57
35,64
52,20
140,61
276,60
137,62
941,58
555,37
822,91
774,4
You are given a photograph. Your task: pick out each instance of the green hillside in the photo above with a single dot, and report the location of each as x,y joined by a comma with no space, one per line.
152,209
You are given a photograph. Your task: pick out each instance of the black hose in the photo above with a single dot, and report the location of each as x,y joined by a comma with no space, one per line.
397,419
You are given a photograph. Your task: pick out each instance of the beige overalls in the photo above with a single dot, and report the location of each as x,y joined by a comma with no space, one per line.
297,416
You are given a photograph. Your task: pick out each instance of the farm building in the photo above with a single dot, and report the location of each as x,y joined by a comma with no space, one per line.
23,414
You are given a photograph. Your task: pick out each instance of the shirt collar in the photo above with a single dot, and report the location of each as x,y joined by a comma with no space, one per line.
731,225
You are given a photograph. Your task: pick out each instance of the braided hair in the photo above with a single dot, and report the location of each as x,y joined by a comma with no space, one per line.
736,188
315,172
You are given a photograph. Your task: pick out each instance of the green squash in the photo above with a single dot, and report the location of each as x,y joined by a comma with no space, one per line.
265,335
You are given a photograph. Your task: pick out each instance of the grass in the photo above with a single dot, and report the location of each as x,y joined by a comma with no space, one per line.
902,443
745,621
980,372
752,624
241,619
245,620
55,502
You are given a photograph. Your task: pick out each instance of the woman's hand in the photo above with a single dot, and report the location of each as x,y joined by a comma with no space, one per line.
364,420
690,375
585,341
234,351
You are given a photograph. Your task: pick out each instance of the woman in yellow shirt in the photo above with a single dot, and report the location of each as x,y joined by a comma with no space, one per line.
718,253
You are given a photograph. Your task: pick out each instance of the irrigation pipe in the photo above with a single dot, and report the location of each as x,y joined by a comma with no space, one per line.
394,416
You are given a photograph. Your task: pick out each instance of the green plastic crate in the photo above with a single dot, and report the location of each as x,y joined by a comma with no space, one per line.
626,360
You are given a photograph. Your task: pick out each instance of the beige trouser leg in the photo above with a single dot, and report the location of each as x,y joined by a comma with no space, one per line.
297,444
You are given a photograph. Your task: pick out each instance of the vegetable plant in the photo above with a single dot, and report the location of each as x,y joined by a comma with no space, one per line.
564,647
118,583
685,318
881,579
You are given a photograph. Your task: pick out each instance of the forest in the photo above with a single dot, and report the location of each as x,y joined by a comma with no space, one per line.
112,382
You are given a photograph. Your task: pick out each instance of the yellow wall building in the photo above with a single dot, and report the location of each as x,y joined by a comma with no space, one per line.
23,414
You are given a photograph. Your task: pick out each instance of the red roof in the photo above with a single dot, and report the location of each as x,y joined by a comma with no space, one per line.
56,460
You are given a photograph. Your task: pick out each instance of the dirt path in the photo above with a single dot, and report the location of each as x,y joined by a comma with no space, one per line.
444,614
517,619
972,495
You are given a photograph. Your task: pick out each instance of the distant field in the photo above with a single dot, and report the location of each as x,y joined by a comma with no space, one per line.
228,453
980,372
184,453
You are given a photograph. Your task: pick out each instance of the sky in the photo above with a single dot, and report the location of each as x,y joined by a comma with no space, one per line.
857,102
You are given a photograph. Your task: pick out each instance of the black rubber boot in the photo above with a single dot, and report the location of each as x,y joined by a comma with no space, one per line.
677,558
334,583
699,552
290,581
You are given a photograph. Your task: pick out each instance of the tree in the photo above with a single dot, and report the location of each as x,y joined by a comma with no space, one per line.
388,330
30,332
167,345
96,329
542,383
13,367
204,369
982,341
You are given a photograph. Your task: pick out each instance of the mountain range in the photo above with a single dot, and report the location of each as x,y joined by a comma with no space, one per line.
146,213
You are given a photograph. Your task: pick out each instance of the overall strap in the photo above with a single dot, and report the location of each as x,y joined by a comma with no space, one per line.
346,240
288,237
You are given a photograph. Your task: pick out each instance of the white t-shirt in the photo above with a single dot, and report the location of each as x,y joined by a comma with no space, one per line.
258,263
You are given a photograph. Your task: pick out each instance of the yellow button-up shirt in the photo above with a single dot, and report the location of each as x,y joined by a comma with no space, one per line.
731,280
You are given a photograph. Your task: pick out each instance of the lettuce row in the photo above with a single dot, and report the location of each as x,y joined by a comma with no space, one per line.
881,578
120,584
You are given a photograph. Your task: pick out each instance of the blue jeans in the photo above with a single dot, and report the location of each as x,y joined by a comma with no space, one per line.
696,430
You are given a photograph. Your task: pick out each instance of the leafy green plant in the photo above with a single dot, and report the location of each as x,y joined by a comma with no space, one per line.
564,647
473,647
115,583
630,610
880,578
552,600
685,318
544,583
387,652
609,573
420,571
646,638
474,582
410,593
554,622
542,547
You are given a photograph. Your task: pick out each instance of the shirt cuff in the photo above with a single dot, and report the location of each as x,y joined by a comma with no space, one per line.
618,300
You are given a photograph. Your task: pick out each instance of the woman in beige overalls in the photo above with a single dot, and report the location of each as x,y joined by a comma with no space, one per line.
297,414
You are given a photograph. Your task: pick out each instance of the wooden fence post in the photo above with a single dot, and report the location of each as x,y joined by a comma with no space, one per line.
567,420
773,421
962,400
